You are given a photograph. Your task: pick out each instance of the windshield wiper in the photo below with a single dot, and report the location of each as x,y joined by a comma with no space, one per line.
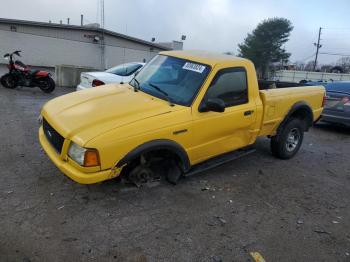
137,87
165,94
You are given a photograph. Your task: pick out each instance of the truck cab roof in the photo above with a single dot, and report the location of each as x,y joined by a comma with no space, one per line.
204,57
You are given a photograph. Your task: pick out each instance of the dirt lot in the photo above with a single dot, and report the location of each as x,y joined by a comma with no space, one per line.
296,210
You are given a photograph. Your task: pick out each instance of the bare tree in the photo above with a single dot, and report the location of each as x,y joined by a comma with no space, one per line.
344,63
300,66
309,66
327,68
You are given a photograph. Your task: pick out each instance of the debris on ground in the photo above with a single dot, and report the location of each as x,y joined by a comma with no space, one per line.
70,239
321,231
9,192
222,221
205,188
268,204
257,257
217,259
299,222
60,207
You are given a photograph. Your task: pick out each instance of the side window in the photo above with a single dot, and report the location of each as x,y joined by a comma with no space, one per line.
230,85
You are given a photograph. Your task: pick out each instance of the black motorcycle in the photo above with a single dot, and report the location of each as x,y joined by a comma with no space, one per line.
20,75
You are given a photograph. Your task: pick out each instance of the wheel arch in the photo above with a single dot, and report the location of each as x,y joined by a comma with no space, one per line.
302,111
155,145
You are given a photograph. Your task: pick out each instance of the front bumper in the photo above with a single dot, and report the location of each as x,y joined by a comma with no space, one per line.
71,171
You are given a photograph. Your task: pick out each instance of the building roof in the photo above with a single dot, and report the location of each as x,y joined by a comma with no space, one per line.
85,28
209,58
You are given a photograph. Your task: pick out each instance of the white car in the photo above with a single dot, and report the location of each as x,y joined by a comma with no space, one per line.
119,74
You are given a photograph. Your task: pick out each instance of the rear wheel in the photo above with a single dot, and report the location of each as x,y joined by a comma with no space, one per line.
288,141
9,81
2,81
46,84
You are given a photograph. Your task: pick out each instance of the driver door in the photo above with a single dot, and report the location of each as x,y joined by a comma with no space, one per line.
217,133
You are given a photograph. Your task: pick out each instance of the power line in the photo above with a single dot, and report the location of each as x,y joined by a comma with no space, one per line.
335,54
335,28
307,58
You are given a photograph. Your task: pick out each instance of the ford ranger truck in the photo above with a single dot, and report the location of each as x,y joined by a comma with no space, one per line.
182,111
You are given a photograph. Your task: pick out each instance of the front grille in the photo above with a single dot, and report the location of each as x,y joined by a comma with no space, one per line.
53,136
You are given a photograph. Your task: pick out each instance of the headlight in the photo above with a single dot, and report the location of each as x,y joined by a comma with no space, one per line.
77,153
83,156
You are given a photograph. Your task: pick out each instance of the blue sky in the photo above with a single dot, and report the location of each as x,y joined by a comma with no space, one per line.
215,25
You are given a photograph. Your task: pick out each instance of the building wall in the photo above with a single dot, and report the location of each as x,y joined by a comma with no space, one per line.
48,51
175,45
49,47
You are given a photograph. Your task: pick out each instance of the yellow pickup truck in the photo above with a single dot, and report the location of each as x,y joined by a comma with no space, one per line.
184,111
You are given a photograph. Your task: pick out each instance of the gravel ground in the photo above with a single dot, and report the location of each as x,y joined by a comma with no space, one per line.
295,210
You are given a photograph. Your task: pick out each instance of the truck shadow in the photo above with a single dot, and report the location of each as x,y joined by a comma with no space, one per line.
340,129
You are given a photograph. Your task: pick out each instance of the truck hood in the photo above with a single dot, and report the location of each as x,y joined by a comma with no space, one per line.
83,115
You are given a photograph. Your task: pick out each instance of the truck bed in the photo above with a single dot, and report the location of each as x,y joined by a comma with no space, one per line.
267,84
278,101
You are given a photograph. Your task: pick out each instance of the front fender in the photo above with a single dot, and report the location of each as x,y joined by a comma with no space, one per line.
159,144
42,74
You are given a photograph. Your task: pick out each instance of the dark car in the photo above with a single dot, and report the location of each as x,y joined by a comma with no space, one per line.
337,106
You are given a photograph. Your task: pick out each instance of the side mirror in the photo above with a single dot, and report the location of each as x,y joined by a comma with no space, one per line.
7,55
212,104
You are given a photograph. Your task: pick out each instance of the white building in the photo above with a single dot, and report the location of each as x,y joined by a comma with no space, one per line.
47,45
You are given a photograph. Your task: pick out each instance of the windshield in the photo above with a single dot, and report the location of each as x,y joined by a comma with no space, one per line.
171,78
125,69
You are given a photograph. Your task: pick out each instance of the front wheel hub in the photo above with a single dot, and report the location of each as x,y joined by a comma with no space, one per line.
141,175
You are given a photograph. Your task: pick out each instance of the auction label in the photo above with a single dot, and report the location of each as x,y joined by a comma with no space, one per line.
194,67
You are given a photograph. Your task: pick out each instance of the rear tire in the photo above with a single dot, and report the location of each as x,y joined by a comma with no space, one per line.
9,81
47,85
2,81
288,141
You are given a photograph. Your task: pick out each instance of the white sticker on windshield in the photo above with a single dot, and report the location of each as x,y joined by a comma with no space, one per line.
194,67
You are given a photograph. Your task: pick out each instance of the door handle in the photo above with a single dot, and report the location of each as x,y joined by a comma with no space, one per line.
248,113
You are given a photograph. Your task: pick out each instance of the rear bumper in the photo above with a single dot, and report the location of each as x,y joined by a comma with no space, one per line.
71,171
335,118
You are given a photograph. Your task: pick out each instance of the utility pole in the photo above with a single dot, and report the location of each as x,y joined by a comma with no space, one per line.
318,46
68,21
81,20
